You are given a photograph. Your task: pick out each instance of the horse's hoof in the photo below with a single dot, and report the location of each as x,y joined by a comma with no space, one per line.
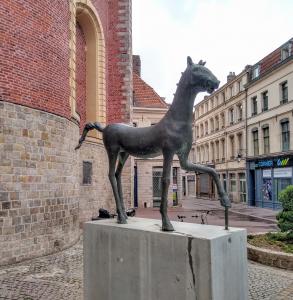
167,227
121,220
225,201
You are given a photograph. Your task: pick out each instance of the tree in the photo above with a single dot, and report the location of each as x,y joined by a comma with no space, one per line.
285,217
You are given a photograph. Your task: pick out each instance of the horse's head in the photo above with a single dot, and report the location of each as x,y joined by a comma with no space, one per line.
200,77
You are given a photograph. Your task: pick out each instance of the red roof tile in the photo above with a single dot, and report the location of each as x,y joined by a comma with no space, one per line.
144,95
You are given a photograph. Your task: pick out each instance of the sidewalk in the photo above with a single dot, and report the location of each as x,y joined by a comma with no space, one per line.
195,210
241,208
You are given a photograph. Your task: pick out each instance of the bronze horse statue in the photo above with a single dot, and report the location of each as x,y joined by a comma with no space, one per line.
172,135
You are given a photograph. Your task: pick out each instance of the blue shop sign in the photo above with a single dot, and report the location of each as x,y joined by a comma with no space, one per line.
273,162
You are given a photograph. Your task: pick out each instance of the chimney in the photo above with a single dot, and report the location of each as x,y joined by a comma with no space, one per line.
231,76
136,64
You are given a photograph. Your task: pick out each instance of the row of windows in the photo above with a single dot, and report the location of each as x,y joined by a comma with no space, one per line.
219,98
235,114
216,151
264,98
285,138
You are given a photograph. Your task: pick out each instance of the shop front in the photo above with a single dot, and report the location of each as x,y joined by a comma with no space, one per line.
266,178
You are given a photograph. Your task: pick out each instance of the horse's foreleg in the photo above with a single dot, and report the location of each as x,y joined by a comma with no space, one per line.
112,163
121,161
166,224
188,166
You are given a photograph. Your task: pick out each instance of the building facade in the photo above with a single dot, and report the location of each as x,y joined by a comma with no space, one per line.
270,127
148,109
244,131
63,63
219,138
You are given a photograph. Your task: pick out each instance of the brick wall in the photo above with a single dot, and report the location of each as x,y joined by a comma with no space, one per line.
34,54
119,62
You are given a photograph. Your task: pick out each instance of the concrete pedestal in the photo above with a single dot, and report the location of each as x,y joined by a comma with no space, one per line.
137,261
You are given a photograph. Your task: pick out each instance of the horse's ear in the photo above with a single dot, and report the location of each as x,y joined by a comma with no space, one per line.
189,61
202,63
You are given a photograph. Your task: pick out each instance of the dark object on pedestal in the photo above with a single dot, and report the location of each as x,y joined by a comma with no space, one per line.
172,135
105,214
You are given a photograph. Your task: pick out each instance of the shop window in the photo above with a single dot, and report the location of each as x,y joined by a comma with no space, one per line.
267,189
285,135
255,142
232,182
266,139
265,101
284,92
279,185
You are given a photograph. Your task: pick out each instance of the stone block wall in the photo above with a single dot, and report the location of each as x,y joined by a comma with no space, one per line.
39,191
43,201
98,194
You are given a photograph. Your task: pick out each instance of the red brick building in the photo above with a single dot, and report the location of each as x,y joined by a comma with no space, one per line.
62,63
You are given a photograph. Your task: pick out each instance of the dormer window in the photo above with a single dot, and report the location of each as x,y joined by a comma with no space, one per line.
286,51
255,72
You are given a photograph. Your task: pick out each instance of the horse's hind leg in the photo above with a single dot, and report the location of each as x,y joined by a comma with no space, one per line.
122,157
112,155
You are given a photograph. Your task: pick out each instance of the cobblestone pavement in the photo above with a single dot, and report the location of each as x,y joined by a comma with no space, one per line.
59,276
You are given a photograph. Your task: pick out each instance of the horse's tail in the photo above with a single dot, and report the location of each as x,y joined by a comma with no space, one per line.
88,127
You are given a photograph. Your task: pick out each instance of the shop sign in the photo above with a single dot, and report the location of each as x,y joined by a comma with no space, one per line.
267,173
283,172
274,162
175,187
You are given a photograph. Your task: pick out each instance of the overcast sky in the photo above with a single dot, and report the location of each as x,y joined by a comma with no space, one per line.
228,34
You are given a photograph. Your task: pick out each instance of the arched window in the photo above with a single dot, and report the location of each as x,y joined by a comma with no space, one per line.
86,19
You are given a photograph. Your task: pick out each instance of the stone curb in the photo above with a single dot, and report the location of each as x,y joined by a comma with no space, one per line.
269,257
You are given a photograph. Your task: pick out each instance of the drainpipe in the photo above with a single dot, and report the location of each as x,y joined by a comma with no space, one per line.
246,146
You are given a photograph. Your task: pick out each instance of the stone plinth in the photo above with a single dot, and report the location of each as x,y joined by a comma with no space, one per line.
138,261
